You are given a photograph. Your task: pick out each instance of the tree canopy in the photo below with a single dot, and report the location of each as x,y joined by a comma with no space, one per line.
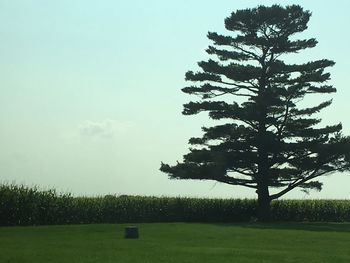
267,140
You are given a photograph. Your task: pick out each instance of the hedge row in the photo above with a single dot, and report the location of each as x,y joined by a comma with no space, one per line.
21,205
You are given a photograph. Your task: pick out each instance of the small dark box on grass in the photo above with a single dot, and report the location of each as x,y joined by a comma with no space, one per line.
131,232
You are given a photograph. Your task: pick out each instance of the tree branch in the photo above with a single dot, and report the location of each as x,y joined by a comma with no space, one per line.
237,85
298,182
233,181
242,172
251,54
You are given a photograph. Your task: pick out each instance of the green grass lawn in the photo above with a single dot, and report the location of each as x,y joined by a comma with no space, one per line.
178,242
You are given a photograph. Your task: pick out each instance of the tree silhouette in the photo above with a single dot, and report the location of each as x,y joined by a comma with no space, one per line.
268,139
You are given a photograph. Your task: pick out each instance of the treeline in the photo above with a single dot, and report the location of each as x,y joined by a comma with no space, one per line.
21,205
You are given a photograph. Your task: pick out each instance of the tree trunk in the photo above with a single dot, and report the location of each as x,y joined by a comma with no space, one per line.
264,201
263,211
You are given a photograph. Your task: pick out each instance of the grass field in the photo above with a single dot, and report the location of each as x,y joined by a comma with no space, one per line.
178,242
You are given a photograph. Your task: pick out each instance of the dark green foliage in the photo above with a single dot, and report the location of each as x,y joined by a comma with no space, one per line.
20,205
268,140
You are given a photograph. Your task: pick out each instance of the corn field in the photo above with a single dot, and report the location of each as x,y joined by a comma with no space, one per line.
22,205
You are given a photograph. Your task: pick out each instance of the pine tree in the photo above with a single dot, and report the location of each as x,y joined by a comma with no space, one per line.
267,141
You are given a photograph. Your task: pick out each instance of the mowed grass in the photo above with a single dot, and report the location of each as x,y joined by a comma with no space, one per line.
178,242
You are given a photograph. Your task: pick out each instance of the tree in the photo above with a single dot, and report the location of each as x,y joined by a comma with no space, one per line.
267,140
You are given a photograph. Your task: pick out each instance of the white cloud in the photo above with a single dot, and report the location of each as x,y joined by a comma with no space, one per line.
103,129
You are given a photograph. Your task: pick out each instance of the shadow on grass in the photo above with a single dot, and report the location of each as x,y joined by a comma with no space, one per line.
305,226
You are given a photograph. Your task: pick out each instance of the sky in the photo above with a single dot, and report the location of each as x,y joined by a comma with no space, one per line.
90,91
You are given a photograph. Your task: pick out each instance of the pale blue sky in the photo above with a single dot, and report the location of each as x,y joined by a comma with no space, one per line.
90,96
